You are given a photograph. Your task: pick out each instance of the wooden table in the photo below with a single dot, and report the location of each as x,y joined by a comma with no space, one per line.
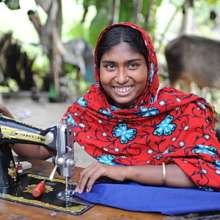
15,211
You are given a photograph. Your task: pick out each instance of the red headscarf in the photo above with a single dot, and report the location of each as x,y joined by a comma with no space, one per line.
166,126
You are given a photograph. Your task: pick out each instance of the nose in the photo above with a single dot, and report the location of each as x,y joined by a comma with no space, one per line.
122,76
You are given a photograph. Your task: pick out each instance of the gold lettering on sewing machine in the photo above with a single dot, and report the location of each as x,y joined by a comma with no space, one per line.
14,133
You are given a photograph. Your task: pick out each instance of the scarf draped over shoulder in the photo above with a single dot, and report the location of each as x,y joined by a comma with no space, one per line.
164,125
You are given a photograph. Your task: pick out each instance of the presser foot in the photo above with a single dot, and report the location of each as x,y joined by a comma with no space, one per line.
68,196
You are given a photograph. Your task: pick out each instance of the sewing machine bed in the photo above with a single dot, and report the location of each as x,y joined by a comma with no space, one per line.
22,194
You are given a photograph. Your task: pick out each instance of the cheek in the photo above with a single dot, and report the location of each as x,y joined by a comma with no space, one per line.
101,76
142,86
105,78
102,79
141,77
142,81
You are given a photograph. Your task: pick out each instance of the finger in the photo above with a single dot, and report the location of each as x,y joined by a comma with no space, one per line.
90,175
5,112
87,169
100,170
92,179
81,185
84,178
85,172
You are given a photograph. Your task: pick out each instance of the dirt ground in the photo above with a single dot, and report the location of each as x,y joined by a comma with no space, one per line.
42,114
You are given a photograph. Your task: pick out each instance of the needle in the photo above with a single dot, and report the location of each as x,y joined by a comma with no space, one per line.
52,173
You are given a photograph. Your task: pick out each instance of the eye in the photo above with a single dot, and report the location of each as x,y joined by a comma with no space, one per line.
109,66
133,66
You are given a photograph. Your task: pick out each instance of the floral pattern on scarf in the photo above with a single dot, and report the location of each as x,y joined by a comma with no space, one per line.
165,125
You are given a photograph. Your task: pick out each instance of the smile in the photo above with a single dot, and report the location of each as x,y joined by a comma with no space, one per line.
123,91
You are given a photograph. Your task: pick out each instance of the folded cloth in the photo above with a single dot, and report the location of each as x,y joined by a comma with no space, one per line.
165,200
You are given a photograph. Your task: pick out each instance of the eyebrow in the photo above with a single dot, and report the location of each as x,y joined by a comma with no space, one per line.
128,61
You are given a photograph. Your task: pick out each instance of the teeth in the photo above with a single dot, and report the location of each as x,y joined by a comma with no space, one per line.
122,90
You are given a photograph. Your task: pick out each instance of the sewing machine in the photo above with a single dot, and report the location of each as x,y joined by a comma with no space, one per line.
57,138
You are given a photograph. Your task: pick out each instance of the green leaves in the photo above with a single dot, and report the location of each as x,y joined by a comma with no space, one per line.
12,4
126,11
98,23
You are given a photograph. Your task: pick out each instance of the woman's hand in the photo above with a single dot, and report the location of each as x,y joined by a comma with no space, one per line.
5,111
96,170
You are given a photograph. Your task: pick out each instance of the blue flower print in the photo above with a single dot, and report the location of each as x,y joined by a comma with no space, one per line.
146,112
124,133
105,112
204,149
82,102
152,99
167,151
217,164
114,108
70,120
106,159
201,105
166,127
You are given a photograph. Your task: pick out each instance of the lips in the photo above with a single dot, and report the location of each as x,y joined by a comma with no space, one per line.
122,91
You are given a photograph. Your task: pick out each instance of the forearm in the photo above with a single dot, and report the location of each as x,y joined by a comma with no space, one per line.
32,151
27,150
148,174
153,175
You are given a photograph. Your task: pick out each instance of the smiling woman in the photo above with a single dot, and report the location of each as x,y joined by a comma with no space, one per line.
135,130
121,57
123,74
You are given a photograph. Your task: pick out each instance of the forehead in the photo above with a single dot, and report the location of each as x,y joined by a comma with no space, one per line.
121,51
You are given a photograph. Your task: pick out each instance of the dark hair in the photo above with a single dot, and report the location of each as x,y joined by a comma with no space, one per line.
120,34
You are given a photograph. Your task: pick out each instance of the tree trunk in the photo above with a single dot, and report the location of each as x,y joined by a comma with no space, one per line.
115,11
50,36
187,19
137,11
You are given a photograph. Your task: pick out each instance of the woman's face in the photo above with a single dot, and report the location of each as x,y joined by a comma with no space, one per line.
123,74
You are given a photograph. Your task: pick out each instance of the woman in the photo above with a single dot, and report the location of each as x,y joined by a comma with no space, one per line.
135,130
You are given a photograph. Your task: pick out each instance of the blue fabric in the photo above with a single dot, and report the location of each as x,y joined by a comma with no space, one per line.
165,200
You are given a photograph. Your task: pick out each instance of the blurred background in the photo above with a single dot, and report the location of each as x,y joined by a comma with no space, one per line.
46,49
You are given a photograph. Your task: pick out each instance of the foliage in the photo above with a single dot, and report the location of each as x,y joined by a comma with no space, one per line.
11,4
142,12
125,10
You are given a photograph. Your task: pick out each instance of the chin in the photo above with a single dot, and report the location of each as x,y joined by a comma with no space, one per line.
123,103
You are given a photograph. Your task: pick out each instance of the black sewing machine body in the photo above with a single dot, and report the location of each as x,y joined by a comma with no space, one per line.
8,171
59,194
57,138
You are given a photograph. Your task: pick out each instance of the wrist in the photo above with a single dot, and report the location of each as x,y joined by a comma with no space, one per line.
164,174
127,172
121,173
